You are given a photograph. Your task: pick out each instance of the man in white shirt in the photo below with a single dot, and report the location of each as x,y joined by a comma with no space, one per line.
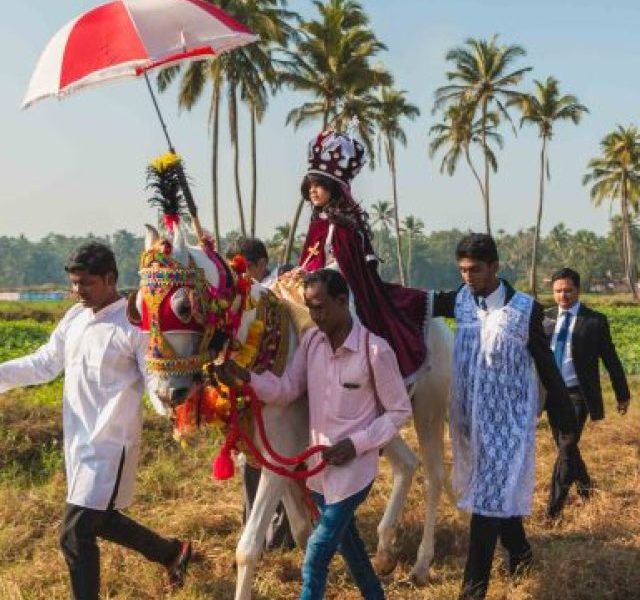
102,356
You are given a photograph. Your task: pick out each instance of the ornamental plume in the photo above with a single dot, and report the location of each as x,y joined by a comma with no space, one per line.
163,178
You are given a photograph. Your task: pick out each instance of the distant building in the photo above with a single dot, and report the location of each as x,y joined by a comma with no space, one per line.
31,295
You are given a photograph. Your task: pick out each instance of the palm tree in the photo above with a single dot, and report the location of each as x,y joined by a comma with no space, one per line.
413,228
543,109
456,134
332,62
194,80
278,243
247,71
382,220
393,107
615,174
482,78
272,22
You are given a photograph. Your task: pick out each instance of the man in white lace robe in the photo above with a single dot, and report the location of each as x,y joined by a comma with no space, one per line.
499,345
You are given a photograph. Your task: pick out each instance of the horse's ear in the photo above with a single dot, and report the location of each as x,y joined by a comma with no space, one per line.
133,314
151,237
180,252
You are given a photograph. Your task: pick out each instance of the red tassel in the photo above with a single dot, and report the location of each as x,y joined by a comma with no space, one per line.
170,221
223,467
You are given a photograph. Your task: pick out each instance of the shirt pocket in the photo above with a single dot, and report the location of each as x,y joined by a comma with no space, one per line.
354,390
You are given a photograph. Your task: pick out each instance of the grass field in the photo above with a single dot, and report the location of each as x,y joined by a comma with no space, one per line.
593,554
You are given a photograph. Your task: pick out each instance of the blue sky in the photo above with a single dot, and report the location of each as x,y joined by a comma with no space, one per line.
77,166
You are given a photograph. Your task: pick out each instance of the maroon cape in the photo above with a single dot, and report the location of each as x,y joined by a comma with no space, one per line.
391,311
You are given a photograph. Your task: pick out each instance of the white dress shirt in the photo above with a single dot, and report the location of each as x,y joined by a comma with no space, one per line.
102,356
496,299
567,369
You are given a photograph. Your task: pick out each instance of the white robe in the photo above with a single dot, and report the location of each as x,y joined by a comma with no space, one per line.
102,356
494,407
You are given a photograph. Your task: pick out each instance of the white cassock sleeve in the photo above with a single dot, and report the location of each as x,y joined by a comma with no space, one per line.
44,365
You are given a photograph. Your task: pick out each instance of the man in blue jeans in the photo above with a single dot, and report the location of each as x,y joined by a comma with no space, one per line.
357,403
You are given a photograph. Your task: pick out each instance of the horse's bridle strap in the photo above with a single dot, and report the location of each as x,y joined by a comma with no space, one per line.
187,365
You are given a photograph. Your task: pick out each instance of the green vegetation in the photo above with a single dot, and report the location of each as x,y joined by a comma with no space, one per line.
625,326
21,337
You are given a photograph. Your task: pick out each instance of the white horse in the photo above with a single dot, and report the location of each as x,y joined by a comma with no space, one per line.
287,430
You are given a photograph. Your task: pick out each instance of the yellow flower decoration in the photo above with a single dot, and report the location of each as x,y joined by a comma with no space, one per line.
165,161
248,352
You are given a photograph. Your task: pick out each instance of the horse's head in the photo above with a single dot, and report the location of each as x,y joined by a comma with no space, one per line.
182,299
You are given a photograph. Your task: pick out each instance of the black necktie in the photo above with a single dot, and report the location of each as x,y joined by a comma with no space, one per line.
482,302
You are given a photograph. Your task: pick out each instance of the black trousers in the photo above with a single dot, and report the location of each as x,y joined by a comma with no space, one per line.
82,526
569,465
483,537
279,532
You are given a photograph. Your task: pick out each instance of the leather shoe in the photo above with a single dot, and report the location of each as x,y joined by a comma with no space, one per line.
177,571
520,564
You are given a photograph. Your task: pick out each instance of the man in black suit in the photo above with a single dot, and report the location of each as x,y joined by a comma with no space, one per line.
495,404
579,337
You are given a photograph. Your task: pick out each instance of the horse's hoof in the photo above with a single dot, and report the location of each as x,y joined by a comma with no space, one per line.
384,563
419,578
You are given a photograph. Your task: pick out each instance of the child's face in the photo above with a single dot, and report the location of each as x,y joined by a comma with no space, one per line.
319,196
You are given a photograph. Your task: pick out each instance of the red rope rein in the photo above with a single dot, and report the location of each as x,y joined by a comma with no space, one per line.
274,461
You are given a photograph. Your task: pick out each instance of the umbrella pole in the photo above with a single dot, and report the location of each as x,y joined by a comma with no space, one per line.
191,205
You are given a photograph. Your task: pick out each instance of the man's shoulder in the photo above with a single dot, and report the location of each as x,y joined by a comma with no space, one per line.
377,344
72,313
309,335
586,311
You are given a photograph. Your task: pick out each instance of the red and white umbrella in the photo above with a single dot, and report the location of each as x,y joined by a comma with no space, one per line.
126,38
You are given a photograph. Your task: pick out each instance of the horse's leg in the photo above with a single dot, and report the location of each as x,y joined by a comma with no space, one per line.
430,430
270,492
403,465
298,515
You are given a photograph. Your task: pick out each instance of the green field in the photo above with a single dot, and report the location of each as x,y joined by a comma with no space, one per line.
25,326
593,554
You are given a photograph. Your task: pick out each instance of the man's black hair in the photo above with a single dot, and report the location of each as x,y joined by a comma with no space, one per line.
251,248
477,246
94,258
566,273
333,280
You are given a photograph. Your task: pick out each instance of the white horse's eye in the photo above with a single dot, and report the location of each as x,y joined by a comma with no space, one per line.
181,306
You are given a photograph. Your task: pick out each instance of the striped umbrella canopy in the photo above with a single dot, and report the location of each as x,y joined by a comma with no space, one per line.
126,38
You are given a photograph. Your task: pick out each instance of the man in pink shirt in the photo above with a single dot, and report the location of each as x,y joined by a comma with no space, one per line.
357,404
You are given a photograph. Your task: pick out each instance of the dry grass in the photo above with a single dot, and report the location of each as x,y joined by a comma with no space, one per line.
593,554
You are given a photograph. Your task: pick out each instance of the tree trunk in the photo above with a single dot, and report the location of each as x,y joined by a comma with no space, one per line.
254,172
473,170
487,215
235,140
292,231
627,242
409,258
325,115
533,286
214,160
396,219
